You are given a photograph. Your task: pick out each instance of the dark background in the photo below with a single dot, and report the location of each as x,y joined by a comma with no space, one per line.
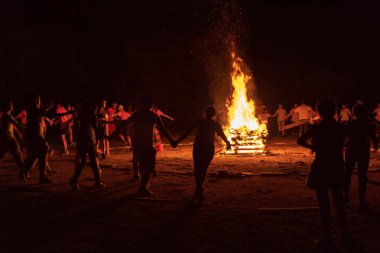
175,50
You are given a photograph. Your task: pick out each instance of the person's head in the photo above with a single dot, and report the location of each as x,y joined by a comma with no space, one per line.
210,112
280,106
265,110
147,103
326,108
295,105
35,100
120,108
343,106
103,104
114,105
359,102
9,107
303,104
359,111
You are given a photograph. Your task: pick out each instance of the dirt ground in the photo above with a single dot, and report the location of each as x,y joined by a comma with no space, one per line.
233,218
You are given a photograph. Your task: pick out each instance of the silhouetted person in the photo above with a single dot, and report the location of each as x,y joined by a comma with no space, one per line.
8,141
144,121
327,169
86,145
204,147
360,134
37,147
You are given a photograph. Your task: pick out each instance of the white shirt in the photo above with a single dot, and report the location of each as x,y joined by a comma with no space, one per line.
303,112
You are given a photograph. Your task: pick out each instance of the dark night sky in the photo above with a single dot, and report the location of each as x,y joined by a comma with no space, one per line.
298,50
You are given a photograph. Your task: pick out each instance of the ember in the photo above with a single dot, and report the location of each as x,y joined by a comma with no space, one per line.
244,130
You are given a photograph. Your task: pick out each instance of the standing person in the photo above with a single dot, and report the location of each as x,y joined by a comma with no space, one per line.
8,141
21,117
204,147
360,133
37,147
345,115
144,121
280,114
121,131
64,127
304,112
293,117
102,131
264,116
111,112
327,169
86,145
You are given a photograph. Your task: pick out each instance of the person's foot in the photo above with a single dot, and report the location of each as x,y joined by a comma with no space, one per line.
144,192
52,172
23,176
135,178
74,185
45,180
51,152
99,185
65,152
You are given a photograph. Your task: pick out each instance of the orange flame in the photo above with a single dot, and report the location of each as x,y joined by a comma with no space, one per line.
241,111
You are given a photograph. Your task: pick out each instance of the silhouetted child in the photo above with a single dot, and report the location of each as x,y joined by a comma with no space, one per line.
203,149
327,169
86,145
8,141
144,121
360,133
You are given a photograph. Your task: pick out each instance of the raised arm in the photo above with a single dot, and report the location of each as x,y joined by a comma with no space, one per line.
160,125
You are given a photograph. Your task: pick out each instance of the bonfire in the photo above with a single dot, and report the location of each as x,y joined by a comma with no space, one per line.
244,130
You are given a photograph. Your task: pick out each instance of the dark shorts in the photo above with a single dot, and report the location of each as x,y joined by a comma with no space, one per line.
64,129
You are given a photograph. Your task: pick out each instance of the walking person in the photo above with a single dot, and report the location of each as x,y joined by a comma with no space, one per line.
144,121
204,147
294,118
327,170
280,114
304,111
360,134
86,145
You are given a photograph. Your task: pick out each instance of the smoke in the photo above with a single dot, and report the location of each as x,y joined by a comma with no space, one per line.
229,35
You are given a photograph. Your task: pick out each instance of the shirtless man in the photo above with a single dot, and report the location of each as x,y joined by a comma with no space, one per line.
144,121
8,141
345,114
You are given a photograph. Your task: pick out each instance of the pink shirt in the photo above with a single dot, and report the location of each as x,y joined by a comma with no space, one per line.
123,115
61,109
22,116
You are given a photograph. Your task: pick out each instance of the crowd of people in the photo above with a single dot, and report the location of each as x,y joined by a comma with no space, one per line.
303,116
339,142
